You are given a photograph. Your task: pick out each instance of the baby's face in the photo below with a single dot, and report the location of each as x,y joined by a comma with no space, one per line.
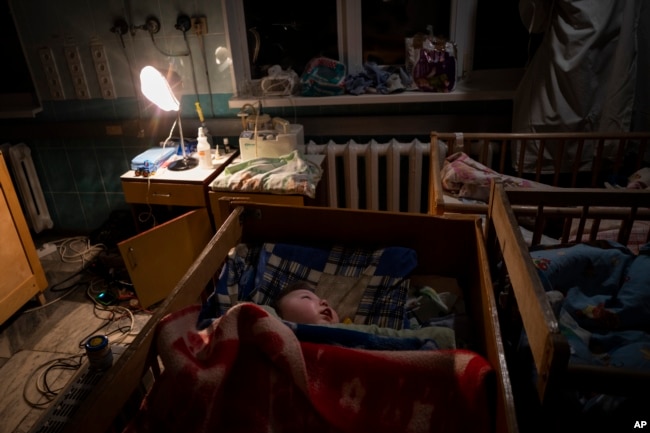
303,306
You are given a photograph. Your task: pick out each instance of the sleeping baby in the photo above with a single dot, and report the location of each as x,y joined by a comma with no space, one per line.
299,304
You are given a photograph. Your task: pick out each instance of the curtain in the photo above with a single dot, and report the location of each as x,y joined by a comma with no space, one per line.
583,76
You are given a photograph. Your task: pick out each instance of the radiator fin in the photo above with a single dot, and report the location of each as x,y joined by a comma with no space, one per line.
390,176
29,188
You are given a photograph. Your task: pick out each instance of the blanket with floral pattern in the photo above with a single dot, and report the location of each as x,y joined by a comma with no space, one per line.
248,372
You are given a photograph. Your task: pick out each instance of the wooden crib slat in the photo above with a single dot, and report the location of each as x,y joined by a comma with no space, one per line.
625,229
593,204
620,156
598,162
540,159
547,347
559,158
503,150
577,163
522,154
566,230
586,169
643,145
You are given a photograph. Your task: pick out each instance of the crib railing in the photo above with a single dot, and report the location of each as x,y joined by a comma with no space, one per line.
570,159
391,176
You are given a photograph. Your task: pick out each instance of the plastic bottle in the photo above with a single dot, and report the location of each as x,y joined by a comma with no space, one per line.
203,150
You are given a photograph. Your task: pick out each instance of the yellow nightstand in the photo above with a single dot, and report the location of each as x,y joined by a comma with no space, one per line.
187,188
156,259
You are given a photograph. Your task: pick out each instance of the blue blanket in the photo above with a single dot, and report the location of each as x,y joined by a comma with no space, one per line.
358,339
604,307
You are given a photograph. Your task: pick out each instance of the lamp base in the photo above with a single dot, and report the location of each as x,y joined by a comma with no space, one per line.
185,163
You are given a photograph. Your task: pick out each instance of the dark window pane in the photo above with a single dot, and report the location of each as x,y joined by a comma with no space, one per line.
501,40
289,33
386,23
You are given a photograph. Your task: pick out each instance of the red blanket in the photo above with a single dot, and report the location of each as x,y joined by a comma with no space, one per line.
249,373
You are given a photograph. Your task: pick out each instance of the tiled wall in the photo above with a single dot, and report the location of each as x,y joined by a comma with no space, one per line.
80,176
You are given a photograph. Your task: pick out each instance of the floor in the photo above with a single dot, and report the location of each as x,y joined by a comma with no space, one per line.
41,347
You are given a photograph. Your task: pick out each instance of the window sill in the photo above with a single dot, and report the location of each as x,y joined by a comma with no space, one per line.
480,86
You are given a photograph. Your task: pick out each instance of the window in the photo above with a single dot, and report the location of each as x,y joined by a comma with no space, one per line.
385,24
18,95
289,35
357,31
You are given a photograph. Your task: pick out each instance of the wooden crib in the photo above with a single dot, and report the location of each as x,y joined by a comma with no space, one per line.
580,159
450,246
524,302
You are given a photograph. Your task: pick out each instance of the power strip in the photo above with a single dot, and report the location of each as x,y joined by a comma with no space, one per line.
46,249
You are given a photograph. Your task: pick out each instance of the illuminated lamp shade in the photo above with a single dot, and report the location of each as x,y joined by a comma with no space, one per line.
156,89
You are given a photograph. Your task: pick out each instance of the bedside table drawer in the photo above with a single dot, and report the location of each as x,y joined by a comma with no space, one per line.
173,194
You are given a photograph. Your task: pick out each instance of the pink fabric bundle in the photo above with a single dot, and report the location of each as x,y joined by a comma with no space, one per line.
248,373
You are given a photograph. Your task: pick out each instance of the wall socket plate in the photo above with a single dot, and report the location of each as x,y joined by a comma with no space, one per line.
200,25
79,81
51,73
103,70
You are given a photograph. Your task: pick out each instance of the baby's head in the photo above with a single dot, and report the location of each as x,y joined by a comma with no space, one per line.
299,303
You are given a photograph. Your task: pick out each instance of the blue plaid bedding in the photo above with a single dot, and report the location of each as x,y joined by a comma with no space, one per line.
257,273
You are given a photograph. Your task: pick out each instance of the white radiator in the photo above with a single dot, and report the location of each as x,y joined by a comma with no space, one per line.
389,176
29,187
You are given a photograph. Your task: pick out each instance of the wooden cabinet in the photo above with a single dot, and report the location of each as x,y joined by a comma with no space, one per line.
157,259
21,274
188,188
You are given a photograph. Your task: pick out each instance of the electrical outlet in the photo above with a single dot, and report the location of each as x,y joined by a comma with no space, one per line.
200,25
77,72
102,70
51,73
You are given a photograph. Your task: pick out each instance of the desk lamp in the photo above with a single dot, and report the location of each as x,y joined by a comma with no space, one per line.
157,89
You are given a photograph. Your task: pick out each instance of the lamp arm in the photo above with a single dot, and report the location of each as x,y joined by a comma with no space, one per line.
180,131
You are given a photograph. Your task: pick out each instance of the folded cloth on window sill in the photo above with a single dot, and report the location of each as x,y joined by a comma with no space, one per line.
287,174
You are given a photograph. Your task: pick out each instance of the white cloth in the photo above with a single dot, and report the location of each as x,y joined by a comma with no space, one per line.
583,77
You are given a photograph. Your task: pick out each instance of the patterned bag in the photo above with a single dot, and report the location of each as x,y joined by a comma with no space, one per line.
432,63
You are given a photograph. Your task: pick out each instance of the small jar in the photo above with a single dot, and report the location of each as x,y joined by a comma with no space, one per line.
99,352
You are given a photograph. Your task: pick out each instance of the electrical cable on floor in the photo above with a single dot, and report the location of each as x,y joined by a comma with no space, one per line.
81,248
113,317
73,362
76,250
53,301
